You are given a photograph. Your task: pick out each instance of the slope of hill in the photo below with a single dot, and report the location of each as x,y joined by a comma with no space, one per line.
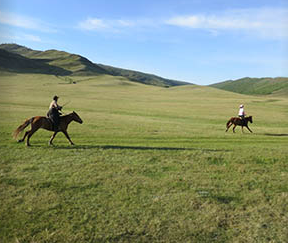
12,62
144,78
73,64
255,86
76,65
20,50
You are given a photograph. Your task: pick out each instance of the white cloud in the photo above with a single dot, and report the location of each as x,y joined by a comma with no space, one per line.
213,22
125,23
265,22
25,22
10,37
29,37
93,24
114,25
104,24
271,23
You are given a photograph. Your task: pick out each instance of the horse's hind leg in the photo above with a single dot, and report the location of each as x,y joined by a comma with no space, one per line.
30,133
25,135
228,126
52,138
234,128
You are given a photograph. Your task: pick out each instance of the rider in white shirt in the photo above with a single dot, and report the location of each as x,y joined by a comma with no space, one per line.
241,112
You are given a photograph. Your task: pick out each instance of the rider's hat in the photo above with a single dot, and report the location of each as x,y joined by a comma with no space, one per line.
241,106
55,97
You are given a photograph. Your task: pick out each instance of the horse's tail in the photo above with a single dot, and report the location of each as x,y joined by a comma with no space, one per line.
22,127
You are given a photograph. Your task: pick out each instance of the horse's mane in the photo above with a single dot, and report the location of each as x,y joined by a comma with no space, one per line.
66,115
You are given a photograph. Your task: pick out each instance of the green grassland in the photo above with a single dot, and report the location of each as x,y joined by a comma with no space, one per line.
150,164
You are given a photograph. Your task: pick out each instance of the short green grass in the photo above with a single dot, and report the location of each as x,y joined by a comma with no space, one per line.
150,164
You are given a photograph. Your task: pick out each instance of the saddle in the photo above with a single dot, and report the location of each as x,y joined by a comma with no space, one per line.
242,121
53,125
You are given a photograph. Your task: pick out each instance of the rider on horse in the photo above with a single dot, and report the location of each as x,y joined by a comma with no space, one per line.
241,120
241,112
54,113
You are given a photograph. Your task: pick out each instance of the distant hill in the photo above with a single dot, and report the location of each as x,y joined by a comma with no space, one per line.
144,78
16,58
255,86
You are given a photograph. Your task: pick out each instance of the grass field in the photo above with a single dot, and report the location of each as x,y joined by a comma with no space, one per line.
150,164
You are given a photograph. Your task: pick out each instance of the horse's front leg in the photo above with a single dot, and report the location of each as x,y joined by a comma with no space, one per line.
52,138
67,136
242,129
249,129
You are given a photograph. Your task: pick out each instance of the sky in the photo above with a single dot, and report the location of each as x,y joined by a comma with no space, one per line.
197,41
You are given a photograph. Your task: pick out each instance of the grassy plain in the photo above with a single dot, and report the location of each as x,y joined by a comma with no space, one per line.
150,164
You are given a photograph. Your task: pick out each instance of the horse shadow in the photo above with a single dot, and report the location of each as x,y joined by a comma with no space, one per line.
143,148
276,134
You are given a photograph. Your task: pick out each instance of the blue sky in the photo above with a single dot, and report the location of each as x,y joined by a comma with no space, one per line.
199,41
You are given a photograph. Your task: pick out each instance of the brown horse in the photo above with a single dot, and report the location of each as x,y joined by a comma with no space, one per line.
43,122
237,121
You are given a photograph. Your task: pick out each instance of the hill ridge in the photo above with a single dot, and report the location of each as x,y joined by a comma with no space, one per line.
78,65
255,86
13,62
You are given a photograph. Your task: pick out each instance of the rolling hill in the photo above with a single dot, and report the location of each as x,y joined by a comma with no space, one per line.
71,63
142,77
13,62
255,86
20,59
56,62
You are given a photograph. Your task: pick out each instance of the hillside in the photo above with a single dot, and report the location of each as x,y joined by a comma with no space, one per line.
142,77
71,63
64,63
12,62
255,86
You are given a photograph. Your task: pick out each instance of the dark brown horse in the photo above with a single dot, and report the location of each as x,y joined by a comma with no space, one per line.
43,122
237,121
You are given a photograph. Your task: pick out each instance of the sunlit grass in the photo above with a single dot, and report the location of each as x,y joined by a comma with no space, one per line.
150,164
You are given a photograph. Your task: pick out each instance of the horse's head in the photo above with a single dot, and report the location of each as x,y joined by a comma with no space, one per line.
250,119
76,117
